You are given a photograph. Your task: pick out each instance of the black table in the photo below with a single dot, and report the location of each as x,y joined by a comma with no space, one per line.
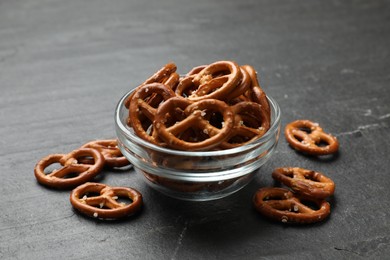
65,64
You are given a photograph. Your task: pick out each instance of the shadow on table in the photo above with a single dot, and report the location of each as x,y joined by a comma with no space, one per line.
226,220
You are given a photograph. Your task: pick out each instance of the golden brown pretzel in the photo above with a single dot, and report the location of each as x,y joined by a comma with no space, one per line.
242,87
143,107
109,149
250,122
186,87
105,204
282,205
172,81
256,93
217,80
307,136
198,116
72,173
196,70
305,182
162,75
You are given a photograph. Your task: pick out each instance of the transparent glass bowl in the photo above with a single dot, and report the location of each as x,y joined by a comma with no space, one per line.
196,175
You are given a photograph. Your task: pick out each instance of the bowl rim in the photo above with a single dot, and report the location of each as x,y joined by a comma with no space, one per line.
134,138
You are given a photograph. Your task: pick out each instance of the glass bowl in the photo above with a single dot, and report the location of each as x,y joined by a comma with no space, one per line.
196,175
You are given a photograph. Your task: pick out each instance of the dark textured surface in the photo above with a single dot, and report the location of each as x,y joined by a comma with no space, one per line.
65,64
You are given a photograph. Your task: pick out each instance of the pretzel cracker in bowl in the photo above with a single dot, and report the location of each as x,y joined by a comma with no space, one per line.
194,138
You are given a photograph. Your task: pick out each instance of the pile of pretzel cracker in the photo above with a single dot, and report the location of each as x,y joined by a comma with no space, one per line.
212,107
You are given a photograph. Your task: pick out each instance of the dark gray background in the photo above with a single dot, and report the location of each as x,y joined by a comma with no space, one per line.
65,64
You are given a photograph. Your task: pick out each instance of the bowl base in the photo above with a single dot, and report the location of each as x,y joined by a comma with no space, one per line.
192,191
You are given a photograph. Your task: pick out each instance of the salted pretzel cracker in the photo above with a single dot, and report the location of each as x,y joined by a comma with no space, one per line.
72,173
305,182
284,206
105,204
113,157
250,122
162,75
241,87
196,70
255,92
307,136
217,80
186,87
142,111
172,81
197,117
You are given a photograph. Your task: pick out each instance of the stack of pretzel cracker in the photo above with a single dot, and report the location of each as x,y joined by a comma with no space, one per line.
212,107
